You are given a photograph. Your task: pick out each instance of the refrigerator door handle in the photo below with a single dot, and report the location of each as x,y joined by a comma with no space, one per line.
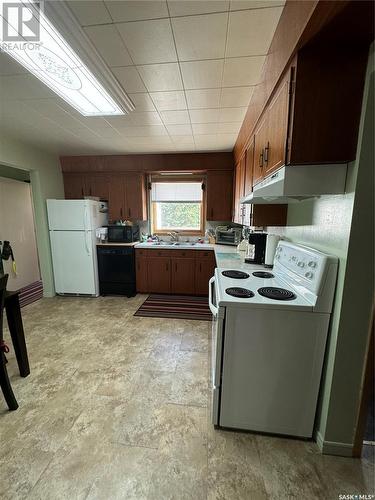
86,224
87,246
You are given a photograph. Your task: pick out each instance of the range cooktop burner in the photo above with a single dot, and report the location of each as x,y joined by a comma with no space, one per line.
263,274
242,293
235,274
276,293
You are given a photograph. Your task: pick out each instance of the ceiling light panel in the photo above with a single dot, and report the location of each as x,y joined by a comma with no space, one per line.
53,61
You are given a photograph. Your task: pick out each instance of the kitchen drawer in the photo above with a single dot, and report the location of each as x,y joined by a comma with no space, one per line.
151,252
204,254
183,253
141,252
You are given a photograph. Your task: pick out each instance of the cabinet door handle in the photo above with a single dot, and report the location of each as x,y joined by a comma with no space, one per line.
90,191
261,158
167,267
121,212
266,152
82,192
130,212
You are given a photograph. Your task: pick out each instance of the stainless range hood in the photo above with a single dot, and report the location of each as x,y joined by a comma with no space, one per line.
298,182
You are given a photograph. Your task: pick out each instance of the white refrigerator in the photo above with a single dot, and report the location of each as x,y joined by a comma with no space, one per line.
72,225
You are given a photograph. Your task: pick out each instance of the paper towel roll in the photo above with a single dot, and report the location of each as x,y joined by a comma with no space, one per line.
271,244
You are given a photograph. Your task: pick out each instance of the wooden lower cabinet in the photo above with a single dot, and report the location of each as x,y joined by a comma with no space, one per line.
176,271
158,274
204,270
183,275
141,274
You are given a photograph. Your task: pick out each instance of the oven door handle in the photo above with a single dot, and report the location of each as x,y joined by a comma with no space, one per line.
211,288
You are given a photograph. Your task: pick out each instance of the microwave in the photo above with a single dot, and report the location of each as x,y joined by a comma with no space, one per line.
123,234
228,236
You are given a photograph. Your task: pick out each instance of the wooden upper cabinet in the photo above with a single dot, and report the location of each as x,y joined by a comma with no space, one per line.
260,143
219,195
97,185
135,197
239,190
116,202
249,168
277,129
74,186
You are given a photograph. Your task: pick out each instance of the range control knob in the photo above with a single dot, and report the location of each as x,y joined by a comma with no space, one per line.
312,264
309,275
301,264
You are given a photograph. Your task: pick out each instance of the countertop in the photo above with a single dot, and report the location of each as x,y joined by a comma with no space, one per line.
133,244
226,256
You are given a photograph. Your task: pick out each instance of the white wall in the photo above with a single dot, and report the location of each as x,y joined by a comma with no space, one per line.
17,226
46,182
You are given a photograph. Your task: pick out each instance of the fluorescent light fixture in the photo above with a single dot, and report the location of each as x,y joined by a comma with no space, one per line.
53,61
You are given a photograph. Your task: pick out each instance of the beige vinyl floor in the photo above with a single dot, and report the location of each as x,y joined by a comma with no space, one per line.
117,407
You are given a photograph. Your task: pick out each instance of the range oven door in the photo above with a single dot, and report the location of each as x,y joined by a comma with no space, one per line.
218,321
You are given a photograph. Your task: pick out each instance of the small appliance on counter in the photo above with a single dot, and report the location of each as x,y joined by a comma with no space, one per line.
120,233
101,234
271,245
226,235
256,249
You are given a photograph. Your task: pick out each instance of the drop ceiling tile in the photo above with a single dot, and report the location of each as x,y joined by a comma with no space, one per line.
165,101
242,71
200,37
204,128
142,102
135,119
108,133
229,128
94,122
226,141
232,115
250,32
192,7
136,10
183,140
203,98
236,96
24,86
8,66
204,115
179,129
87,13
149,42
129,79
152,141
254,4
153,130
175,117
160,77
109,45
202,74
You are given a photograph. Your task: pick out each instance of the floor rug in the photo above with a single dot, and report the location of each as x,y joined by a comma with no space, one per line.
175,306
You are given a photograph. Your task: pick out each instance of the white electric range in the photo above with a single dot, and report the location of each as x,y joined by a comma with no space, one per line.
269,335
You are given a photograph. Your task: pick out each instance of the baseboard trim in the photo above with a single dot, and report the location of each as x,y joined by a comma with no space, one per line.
334,448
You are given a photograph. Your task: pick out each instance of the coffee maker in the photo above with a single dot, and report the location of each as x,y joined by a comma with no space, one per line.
256,248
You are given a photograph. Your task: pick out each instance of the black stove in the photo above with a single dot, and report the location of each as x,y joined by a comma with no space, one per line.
235,274
276,293
242,293
263,274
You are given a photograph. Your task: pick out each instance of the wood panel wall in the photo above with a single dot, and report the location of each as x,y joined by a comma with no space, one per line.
190,162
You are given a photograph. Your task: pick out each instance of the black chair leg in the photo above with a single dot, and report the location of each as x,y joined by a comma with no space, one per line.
5,385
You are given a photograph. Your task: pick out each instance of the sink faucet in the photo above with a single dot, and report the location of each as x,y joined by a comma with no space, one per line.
174,235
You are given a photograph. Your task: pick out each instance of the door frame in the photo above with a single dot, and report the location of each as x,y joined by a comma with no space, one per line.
365,391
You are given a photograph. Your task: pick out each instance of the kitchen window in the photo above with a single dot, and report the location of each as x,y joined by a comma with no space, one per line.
177,206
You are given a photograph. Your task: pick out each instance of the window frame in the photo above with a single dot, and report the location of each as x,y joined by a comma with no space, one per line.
183,232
